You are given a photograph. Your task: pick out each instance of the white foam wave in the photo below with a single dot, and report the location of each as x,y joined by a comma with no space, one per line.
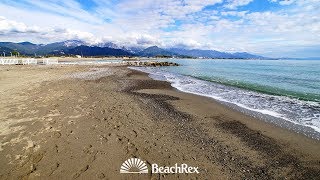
291,110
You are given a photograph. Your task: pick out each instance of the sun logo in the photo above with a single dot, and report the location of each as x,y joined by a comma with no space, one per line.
134,165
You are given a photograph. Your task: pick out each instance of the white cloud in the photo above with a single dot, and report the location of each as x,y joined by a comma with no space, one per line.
9,27
286,2
299,2
233,4
138,39
234,13
166,23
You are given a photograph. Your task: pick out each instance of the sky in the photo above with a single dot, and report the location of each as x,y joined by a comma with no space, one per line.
272,28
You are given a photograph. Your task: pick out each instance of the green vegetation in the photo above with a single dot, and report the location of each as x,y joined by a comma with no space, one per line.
15,53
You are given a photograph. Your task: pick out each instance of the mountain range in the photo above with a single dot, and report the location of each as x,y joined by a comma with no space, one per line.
76,47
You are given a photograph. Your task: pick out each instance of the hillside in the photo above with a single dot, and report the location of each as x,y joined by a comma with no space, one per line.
76,47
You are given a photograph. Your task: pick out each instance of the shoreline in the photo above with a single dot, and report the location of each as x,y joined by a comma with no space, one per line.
270,138
309,131
229,107
84,121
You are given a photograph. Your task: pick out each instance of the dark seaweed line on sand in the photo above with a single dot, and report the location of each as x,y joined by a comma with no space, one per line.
188,130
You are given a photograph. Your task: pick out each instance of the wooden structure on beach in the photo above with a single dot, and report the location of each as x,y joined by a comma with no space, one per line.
27,61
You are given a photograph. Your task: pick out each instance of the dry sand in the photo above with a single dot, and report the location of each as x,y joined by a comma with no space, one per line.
82,122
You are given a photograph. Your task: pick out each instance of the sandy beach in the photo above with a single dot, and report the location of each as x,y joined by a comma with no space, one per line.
83,122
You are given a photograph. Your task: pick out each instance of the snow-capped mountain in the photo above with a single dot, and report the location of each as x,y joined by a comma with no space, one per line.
73,43
108,45
110,48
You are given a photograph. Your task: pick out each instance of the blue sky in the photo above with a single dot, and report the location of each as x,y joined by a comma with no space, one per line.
274,28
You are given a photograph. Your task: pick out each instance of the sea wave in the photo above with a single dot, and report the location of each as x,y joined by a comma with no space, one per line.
263,88
296,111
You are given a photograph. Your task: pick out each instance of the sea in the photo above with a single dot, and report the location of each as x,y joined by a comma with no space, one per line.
283,92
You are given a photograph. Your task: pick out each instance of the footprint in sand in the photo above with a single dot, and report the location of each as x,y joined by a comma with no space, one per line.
53,113
57,134
131,148
82,170
54,168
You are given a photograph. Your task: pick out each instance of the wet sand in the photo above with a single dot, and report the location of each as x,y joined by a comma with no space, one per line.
83,122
